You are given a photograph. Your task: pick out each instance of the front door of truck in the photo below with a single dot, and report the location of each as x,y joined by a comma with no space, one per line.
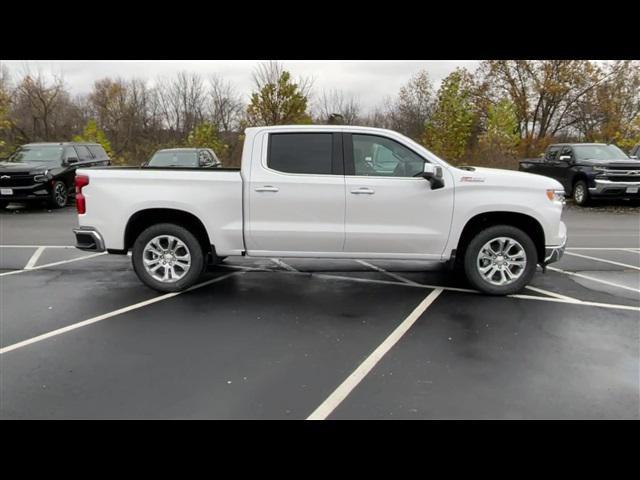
390,210
296,194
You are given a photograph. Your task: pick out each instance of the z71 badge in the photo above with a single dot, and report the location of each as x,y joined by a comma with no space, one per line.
472,179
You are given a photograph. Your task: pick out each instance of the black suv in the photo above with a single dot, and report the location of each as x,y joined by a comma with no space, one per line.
46,171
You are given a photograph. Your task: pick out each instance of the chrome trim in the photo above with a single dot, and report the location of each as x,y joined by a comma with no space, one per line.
554,253
631,172
97,238
603,185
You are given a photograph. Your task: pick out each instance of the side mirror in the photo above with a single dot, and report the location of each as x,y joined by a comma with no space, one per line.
434,174
565,158
635,157
72,160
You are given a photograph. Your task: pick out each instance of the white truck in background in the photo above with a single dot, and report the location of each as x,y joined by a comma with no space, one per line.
324,192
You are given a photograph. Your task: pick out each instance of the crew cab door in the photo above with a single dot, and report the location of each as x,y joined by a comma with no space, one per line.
390,211
550,163
560,168
295,194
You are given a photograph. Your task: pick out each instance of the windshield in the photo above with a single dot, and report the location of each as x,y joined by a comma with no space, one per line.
599,152
174,159
50,154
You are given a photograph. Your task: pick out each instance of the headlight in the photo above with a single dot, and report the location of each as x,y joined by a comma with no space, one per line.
41,178
556,195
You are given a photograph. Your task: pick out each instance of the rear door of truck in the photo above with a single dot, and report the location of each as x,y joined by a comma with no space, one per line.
295,193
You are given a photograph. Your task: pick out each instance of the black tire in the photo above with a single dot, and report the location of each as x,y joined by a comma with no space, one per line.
3,204
471,266
195,251
581,193
59,196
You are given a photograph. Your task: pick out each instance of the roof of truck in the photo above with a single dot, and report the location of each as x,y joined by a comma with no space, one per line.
320,127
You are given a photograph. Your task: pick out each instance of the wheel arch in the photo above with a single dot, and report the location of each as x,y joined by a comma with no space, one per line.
143,219
481,221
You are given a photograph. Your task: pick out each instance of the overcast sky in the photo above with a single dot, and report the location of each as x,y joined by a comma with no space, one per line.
370,81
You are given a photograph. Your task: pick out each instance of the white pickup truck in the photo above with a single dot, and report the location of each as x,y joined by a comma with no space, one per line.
324,192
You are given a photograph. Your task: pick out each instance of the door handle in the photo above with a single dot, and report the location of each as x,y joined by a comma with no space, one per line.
267,188
363,191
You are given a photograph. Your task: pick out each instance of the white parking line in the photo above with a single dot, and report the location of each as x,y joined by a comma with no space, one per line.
389,282
52,264
580,302
389,274
105,316
556,297
339,394
34,258
604,260
283,265
600,248
586,277
552,294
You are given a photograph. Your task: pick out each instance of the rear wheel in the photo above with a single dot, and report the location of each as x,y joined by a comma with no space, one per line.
59,195
167,257
581,193
500,260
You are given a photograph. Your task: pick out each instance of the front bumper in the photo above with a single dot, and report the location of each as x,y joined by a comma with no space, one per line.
88,238
32,192
607,187
554,253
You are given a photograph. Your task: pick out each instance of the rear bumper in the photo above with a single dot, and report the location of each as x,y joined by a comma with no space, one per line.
609,188
88,238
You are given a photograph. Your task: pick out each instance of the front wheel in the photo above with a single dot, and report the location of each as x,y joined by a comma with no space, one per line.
500,260
59,195
581,193
167,258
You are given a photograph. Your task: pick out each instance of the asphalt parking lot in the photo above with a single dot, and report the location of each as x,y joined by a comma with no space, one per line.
81,337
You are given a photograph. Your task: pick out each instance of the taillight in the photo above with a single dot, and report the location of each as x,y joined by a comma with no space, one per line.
81,204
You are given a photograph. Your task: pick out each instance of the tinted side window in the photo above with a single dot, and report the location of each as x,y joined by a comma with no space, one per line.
383,157
308,153
98,152
552,153
566,151
83,153
69,152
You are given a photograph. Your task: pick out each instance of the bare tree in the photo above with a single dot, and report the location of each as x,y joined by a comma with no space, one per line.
335,107
42,108
225,106
182,102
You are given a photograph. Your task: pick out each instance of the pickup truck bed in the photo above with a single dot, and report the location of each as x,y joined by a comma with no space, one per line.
129,191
